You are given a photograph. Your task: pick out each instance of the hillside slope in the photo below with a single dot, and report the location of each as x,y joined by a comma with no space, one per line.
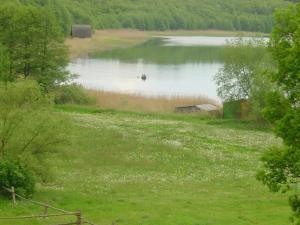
246,15
128,168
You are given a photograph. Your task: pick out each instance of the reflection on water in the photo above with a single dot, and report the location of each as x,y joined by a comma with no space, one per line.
188,79
201,41
154,52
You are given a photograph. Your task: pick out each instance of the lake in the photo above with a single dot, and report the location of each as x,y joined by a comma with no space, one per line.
182,66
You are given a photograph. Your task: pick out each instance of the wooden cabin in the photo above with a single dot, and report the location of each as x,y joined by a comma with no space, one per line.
81,31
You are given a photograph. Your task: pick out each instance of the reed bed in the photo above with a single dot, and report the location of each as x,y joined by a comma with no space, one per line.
139,103
103,40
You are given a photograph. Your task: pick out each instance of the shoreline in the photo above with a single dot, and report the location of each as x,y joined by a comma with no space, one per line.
141,103
105,40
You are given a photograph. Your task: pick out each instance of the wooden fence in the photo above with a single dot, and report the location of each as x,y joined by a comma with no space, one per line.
78,219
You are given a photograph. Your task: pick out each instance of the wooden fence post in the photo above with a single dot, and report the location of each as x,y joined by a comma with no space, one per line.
13,195
79,218
46,211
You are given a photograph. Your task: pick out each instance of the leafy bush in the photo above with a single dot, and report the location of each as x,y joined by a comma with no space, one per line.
29,128
14,174
72,94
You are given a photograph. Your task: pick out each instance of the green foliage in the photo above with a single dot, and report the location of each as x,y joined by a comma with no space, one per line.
233,109
14,174
143,163
72,94
34,43
277,106
28,127
247,15
288,128
244,62
4,65
276,159
285,45
282,165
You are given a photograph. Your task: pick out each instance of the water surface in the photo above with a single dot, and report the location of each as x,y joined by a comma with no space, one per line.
183,66
202,41
189,79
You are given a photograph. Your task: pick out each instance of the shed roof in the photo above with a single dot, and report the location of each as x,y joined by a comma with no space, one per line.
86,26
207,107
204,107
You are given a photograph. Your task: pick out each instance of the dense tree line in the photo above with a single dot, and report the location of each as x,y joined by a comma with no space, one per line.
247,15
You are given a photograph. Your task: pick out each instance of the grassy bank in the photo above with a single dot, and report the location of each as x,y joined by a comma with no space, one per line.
104,40
139,103
136,168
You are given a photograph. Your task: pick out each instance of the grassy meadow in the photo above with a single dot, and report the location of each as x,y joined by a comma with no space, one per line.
157,169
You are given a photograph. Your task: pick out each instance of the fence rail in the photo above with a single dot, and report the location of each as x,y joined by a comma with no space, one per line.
62,213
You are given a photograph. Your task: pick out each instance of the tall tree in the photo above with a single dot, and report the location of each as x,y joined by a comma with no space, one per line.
35,43
245,60
282,164
8,35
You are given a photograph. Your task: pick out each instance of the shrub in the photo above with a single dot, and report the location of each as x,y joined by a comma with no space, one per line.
72,94
14,174
29,127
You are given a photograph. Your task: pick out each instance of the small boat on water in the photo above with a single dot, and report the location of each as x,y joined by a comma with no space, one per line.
144,77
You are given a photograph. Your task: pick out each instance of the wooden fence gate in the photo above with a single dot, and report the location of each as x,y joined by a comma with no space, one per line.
78,219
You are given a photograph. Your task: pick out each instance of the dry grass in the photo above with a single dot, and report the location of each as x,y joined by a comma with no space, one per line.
104,40
138,103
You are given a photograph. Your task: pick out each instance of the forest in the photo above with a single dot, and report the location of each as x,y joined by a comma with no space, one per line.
246,15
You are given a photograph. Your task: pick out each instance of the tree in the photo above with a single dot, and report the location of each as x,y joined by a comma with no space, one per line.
245,60
8,36
281,171
28,127
4,65
35,45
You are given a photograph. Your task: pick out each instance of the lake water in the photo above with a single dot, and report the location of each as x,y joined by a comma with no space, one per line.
182,66
201,41
189,79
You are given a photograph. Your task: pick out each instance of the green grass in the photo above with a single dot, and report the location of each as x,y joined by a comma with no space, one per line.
138,168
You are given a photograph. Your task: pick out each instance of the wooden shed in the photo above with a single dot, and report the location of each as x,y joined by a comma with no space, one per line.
238,109
81,31
207,108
